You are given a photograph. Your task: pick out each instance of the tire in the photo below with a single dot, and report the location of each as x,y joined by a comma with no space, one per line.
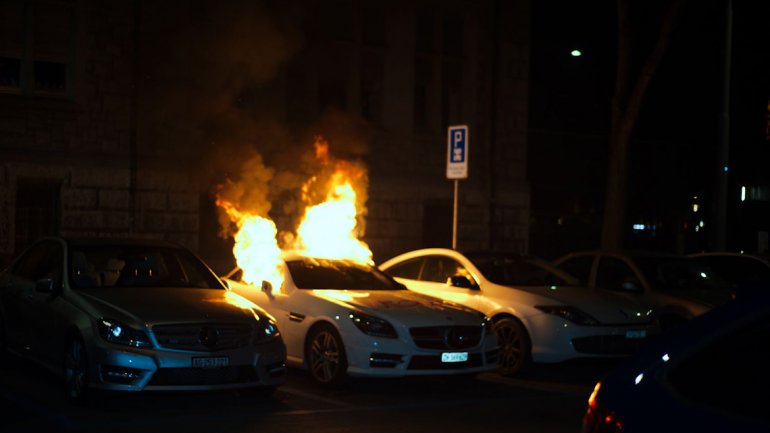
515,346
325,354
75,364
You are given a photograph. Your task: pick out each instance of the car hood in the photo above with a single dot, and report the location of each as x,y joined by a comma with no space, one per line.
153,305
402,307
606,307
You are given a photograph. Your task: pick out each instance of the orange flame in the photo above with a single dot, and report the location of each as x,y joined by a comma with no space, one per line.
256,249
329,229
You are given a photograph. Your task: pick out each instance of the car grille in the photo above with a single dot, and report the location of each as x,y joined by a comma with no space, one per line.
446,337
431,362
205,337
608,345
187,376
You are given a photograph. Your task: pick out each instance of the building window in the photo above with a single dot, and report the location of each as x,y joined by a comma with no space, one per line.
37,210
372,82
373,26
437,224
36,47
453,35
424,31
422,92
451,92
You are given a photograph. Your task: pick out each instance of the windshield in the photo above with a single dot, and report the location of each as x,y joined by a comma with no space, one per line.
137,266
679,274
518,270
317,274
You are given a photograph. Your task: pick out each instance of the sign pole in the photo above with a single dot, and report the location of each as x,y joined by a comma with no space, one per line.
454,217
457,166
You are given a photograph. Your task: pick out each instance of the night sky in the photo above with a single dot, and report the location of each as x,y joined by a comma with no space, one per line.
674,147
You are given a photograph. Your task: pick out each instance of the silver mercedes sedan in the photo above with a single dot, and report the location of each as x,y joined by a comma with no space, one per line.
133,315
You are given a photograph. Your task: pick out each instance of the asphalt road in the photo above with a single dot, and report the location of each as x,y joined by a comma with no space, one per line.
549,398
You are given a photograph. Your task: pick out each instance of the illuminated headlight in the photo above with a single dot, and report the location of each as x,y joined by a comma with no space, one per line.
118,333
267,330
373,326
570,313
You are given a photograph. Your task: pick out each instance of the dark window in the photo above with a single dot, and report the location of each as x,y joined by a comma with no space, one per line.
613,274
373,25
36,46
424,32
516,270
336,18
333,82
138,266
423,77
439,269
451,92
579,267
437,225
409,269
372,66
37,210
737,270
43,260
453,35
677,274
321,274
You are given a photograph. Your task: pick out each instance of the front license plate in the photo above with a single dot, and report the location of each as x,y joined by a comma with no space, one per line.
211,362
454,357
633,334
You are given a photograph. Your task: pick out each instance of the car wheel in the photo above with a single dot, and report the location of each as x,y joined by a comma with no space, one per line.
326,357
75,370
515,347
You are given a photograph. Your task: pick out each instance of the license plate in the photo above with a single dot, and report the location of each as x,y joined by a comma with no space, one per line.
211,362
454,357
633,334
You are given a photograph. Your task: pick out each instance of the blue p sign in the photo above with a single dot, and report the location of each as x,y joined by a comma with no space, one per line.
457,152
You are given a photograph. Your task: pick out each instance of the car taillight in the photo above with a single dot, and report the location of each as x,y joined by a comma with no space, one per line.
599,419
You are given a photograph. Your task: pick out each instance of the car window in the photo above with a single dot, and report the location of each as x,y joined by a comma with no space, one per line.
138,266
615,274
440,268
579,267
44,260
518,270
677,274
409,269
740,359
319,274
736,269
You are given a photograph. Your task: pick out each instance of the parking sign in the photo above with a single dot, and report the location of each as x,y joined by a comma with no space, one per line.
457,152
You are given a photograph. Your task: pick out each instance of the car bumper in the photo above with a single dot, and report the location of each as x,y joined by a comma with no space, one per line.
119,368
556,340
385,357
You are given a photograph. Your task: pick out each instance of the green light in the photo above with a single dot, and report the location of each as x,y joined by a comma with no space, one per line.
576,53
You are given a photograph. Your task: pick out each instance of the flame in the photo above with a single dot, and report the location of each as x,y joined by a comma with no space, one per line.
330,227
256,249
329,230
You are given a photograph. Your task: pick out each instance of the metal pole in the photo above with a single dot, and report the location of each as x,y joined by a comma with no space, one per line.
454,217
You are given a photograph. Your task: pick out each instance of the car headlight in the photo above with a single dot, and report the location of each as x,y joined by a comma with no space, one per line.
118,333
373,326
570,313
267,330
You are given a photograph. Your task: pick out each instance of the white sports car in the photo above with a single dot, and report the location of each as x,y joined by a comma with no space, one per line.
339,318
540,313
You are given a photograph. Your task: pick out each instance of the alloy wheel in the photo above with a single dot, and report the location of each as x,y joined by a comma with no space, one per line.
514,346
75,370
326,356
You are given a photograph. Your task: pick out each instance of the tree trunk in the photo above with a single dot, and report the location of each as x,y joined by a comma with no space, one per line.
625,112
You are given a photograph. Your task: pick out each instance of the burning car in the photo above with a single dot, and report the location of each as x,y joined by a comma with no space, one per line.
124,315
342,317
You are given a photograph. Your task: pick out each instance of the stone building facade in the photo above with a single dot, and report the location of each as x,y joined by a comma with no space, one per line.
73,156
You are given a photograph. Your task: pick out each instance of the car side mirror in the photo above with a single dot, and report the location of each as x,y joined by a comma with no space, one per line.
45,285
267,287
460,281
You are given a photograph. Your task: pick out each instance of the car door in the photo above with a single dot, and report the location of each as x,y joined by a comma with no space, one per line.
433,279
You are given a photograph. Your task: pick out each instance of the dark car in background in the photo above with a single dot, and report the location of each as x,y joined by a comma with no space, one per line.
132,315
709,375
739,269
677,287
